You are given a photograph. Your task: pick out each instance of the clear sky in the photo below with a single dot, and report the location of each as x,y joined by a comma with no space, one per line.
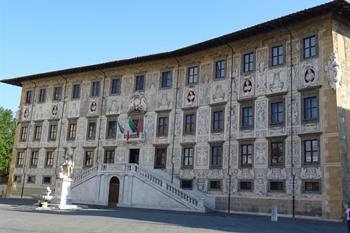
41,35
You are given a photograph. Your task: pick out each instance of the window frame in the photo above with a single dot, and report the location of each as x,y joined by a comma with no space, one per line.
42,95
28,97
47,159
213,120
32,179
165,127
310,137
113,129
110,159
137,76
305,95
157,152
186,180
161,79
85,165
43,180
215,189
188,72
90,121
274,100
224,69
55,96
93,90
302,46
253,68
20,158
71,135
118,91
275,140
245,105
220,158
74,97
271,57
184,148
51,124
277,191
246,190
194,128
304,191
34,160
37,134
23,137
246,143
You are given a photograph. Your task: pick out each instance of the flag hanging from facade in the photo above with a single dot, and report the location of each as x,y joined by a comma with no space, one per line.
138,128
132,125
121,128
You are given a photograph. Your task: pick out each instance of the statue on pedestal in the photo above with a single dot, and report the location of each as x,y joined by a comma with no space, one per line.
66,169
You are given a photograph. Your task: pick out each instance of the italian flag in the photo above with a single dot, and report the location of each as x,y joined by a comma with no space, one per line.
134,127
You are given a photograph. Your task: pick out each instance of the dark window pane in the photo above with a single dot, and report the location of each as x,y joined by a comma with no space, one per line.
166,81
95,89
115,89
76,91
140,79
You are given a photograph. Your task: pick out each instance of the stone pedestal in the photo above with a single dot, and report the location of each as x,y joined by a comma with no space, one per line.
63,193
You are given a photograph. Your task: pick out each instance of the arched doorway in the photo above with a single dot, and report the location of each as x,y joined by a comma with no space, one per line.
113,197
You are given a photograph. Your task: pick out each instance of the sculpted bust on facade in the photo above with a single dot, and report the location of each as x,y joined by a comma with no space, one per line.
333,72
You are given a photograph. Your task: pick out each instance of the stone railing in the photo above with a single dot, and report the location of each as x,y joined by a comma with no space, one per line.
83,174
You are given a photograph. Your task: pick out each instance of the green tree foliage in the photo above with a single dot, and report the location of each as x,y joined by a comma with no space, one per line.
7,133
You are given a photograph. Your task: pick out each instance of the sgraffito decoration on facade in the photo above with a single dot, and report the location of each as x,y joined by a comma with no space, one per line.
137,103
333,72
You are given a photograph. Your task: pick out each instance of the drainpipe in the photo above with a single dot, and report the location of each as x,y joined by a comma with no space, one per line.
291,120
174,121
100,116
28,137
230,133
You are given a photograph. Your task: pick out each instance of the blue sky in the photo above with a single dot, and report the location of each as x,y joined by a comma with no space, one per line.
41,35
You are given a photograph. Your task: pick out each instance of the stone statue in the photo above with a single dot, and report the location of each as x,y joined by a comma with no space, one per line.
333,72
247,85
66,169
45,198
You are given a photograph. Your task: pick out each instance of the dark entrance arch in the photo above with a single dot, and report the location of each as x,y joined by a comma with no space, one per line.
113,197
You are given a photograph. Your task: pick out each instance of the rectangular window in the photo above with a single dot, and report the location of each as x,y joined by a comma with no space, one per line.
187,161
31,180
186,184
215,185
247,155
277,57
115,86
91,130
42,95
216,156
49,159
277,113
89,158
311,186
163,124
37,132
139,83
111,129
192,75
95,89
52,132
76,91
246,186
247,119
57,93
310,108
218,121
109,156
277,153
311,151
72,129
220,67
160,158
29,97
47,180
34,159
17,179
310,47
20,159
276,186
190,123
166,80
24,133
248,62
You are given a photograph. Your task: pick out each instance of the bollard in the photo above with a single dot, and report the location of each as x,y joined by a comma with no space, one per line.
274,213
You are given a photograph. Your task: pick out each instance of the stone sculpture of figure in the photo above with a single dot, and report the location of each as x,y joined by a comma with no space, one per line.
309,75
66,169
333,72
247,85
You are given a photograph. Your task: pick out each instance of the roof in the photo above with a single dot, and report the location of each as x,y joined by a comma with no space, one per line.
338,7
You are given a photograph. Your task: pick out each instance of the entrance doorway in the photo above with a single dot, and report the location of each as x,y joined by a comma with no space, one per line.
113,192
134,156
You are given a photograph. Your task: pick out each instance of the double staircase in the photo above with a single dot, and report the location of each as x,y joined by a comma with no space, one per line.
153,179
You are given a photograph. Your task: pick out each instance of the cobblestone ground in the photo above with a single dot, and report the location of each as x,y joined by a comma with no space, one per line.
20,216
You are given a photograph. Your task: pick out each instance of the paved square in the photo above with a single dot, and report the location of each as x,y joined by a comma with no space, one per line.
20,216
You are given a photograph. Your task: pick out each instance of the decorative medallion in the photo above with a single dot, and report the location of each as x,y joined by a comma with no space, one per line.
93,106
54,110
309,75
333,72
247,86
191,96
26,113
137,103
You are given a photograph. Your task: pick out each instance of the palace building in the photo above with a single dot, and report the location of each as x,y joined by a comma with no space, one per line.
239,123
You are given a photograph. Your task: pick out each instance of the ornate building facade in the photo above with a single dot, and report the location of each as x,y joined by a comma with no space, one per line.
255,118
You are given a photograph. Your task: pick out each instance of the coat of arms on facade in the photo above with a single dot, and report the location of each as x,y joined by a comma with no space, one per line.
191,96
54,110
137,103
309,76
247,86
276,84
333,72
93,106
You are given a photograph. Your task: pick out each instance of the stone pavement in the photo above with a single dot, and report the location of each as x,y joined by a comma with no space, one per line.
20,216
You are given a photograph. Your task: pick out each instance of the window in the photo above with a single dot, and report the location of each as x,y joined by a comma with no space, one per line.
215,185
218,121
57,93
220,69
24,133
91,130
95,89
139,83
186,184
42,96
31,180
246,186
277,57
277,113
29,97
109,156
276,186
310,109
190,123
76,91
37,133
111,129
247,119
166,80
311,149
34,159
115,86
277,153
247,154
49,159
311,186
47,180
17,179
192,75
309,47
20,159
72,129
52,132
248,62
163,124
187,161
160,158
216,156
89,158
